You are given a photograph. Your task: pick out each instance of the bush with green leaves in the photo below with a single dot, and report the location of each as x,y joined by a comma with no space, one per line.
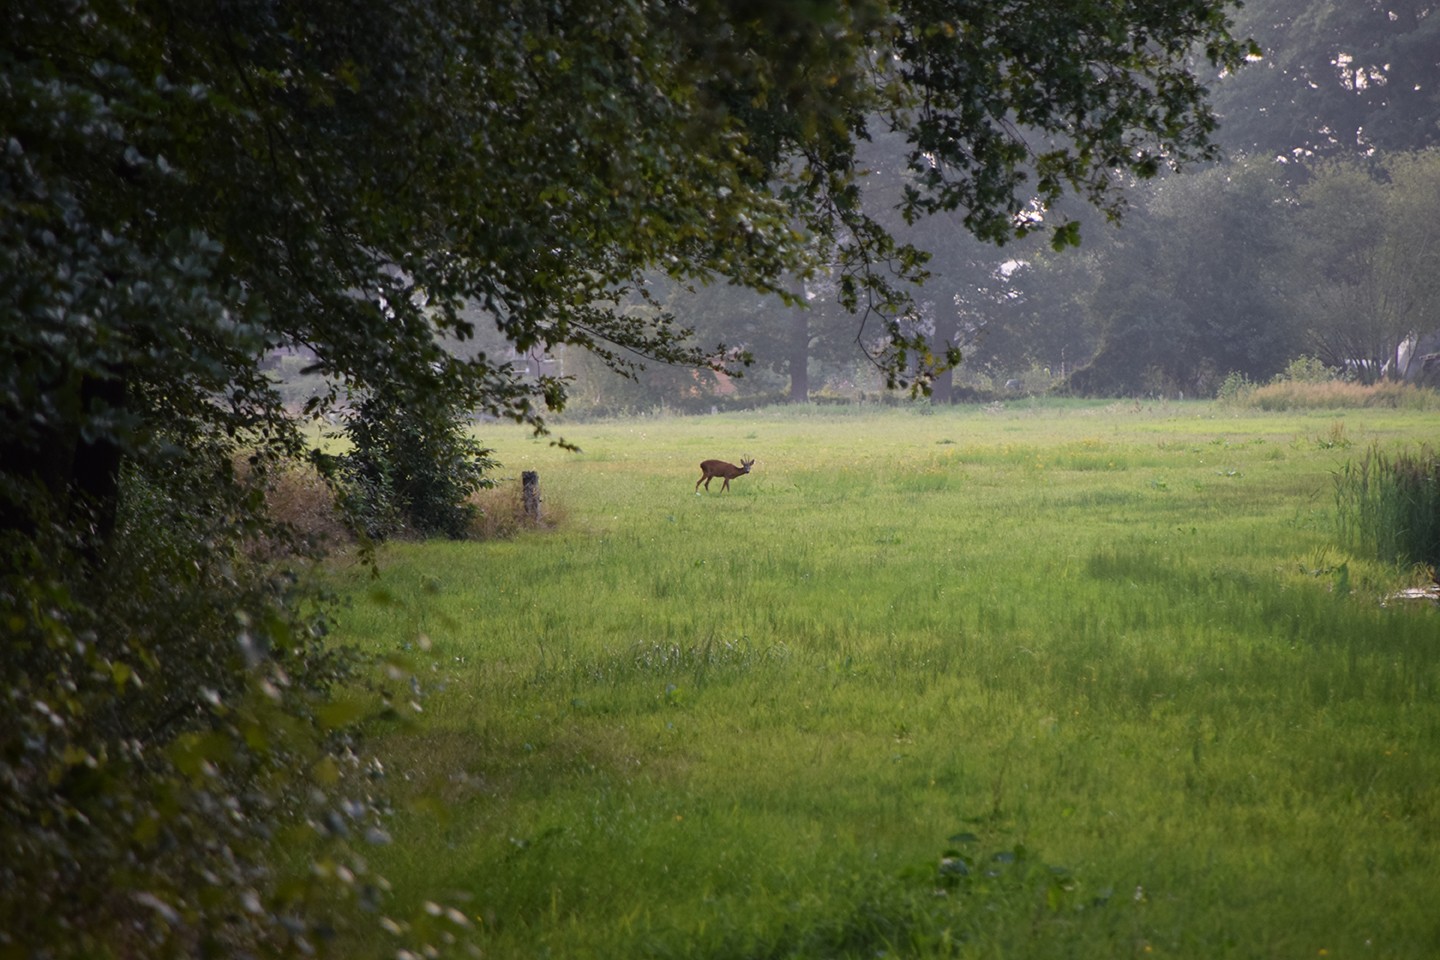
1305,369
165,719
1235,389
411,469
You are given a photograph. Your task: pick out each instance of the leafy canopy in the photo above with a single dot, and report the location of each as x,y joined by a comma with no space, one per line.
189,184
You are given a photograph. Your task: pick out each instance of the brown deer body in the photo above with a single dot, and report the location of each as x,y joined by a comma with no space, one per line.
710,469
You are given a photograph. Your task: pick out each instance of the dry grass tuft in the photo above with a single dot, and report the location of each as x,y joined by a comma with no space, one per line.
303,500
502,513
1340,394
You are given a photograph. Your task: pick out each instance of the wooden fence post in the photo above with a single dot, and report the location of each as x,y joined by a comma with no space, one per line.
530,494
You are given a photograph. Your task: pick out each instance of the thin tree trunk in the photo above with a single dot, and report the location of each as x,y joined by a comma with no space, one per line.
942,389
799,359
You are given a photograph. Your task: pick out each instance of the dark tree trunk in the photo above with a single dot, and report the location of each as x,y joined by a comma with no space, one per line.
77,476
96,472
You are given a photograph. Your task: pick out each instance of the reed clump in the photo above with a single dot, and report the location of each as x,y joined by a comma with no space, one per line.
1389,504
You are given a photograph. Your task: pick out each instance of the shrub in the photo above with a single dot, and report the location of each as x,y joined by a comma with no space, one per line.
413,467
1235,390
162,718
1305,370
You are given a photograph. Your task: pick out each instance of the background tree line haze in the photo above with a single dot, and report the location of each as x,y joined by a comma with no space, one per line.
1313,236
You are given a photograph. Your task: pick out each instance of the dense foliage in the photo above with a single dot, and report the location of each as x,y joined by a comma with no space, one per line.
411,469
1340,78
187,186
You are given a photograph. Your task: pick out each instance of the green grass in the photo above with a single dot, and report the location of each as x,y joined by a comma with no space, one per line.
1108,661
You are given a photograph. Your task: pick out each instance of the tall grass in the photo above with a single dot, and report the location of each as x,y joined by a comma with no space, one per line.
1288,394
1389,504
1042,680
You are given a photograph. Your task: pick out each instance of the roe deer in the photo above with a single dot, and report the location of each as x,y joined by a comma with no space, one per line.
710,469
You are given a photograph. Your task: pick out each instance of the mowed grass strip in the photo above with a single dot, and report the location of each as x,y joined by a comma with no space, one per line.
1050,680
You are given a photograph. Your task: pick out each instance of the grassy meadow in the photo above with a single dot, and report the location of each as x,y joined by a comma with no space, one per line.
1040,680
